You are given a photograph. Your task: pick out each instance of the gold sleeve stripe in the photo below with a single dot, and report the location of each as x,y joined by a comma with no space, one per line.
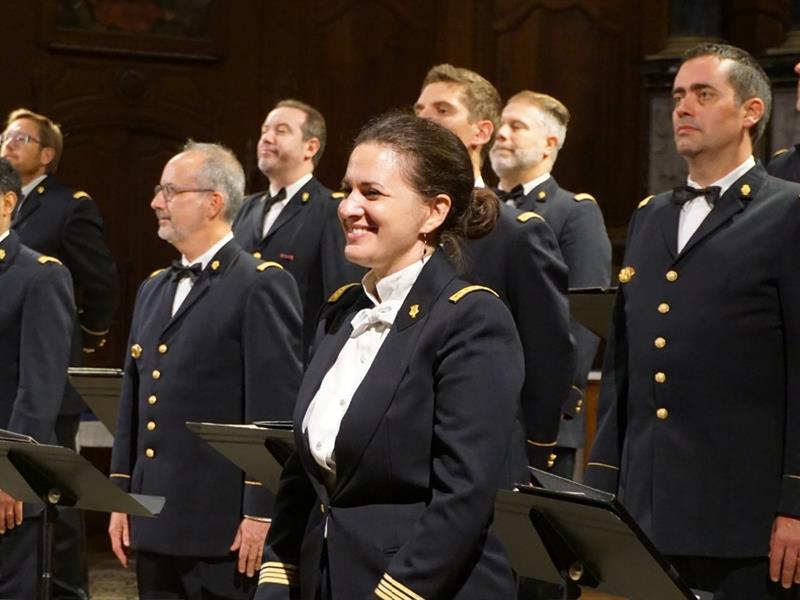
543,444
338,293
120,475
527,216
468,290
390,585
248,482
92,332
604,465
269,264
385,593
280,573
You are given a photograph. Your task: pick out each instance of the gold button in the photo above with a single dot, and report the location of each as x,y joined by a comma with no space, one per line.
660,377
672,275
149,453
659,342
162,349
552,456
156,374
662,413
550,464
151,425
580,403
663,308
578,409
152,400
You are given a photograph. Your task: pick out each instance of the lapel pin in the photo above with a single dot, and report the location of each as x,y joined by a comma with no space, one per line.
305,197
745,189
542,195
2,254
214,265
413,311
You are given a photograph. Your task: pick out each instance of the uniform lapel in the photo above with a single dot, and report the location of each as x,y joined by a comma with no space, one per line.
376,392
31,203
221,261
732,202
539,197
294,207
669,218
9,248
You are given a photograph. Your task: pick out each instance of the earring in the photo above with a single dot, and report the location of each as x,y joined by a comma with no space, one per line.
424,245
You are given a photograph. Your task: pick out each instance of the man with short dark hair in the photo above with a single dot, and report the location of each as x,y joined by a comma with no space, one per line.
294,223
54,219
785,163
520,260
36,321
700,399
214,338
532,131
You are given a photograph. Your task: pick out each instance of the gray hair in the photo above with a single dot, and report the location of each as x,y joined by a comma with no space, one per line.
221,172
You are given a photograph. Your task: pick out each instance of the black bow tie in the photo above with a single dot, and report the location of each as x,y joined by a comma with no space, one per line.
179,271
516,194
270,200
682,195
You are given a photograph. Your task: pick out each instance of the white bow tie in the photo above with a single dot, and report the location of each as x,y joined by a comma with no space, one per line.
366,318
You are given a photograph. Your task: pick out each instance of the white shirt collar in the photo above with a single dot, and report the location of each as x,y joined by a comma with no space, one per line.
26,189
206,256
395,287
292,188
4,235
527,187
728,180
479,183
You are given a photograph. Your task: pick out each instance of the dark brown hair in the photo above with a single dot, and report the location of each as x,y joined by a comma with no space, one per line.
434,161
313,127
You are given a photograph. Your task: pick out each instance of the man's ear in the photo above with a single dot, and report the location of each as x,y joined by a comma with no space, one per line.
46,155
312,147
482,133
753,112
216,206
7,203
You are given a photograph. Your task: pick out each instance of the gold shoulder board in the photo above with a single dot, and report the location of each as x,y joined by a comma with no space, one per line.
645,201
80,195
156,272
269,264
779,152
527,216
468,290
43,260
582,197
337,195
338,293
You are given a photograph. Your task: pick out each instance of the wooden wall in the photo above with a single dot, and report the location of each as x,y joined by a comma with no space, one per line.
126,103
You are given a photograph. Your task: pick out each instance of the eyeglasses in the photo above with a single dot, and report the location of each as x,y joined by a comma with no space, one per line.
169,191
17,139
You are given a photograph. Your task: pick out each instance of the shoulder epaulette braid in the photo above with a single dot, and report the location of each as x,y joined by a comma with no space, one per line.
779,152
340,292
268,265
644,202
156,272
527,216
468,290
80,195
583,197
43,260
337,195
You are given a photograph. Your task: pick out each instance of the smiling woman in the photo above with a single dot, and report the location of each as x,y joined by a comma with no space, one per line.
406,409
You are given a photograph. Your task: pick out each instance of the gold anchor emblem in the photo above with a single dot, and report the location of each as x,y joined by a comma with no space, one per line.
413,311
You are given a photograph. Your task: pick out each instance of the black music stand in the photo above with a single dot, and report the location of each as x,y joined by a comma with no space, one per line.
260,450
592,308
100,389
582,536
55,476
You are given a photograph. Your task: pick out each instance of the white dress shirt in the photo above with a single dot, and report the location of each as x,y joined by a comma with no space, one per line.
4,235
695,211
275,209
185,284
370,328
28,188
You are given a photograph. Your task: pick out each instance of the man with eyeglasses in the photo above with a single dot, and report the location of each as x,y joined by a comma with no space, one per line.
294,222
53,219
214,338
36,318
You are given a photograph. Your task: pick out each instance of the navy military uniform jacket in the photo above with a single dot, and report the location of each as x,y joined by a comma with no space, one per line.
306,239
700,399
59,222
418,456
230,354
786,164
578,224
36,321
521,261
